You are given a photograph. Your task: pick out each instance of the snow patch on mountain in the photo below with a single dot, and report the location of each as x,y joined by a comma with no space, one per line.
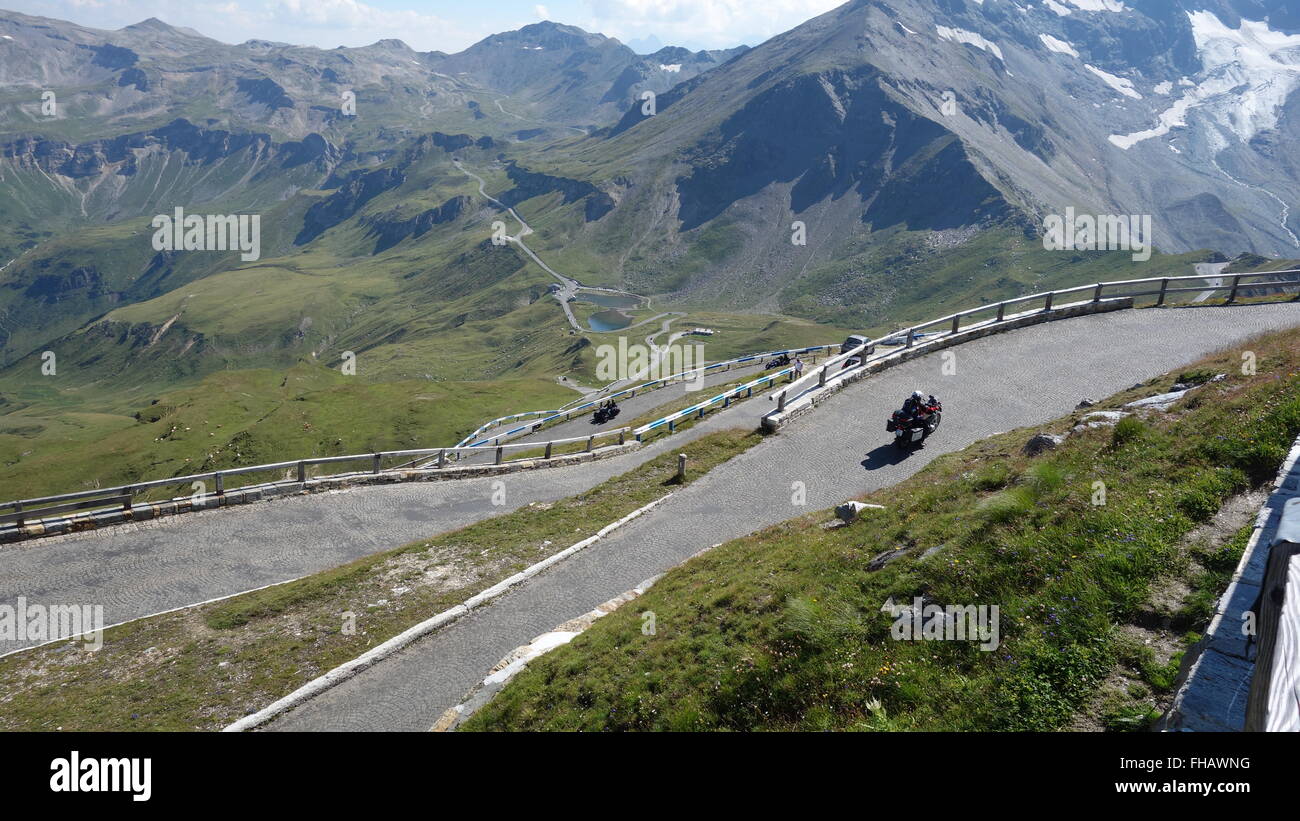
970,38
1097,5
1059,46
671,67
1120,84
1057,7
1248,74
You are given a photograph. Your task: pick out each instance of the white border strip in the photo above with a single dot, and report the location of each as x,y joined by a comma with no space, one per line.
351,668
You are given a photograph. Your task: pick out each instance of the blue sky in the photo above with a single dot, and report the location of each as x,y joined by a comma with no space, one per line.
445,25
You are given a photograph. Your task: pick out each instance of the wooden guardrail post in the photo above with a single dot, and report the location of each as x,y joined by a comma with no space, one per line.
911,336
18,510
377,462
1232,295
1002,311
821,377
500,451
622,437
442,458
1096,293
956,323
1048,302
591,441
126,503
780,401
548,450
302,471
681,468
220,479
1164,289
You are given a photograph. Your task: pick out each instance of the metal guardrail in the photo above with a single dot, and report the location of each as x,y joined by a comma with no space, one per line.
700,408
953,323
19,511
1274,701
502,420
565,414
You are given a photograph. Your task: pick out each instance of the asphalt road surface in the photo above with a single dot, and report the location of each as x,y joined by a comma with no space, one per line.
1006,381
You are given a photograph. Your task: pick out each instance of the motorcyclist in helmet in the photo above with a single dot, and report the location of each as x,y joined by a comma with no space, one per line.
914,404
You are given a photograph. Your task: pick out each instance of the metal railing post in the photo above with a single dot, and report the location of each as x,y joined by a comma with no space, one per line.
500,451
1164,288
1232,295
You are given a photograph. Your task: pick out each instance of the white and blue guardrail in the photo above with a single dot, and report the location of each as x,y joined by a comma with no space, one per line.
568,413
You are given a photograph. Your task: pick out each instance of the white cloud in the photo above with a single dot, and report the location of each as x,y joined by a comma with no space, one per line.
701,23
541,12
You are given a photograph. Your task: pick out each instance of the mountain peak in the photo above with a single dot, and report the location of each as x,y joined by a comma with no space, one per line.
391,43
151,24
155,26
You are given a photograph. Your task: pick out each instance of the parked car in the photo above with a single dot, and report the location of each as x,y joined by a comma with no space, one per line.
854,341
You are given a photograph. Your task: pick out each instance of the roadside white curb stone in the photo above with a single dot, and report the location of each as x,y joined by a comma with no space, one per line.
350,668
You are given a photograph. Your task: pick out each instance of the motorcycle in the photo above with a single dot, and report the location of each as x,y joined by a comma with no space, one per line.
780,362
913,430
604,413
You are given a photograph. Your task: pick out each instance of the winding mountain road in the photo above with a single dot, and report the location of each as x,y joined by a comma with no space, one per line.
568,285
1019,378
1016,379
